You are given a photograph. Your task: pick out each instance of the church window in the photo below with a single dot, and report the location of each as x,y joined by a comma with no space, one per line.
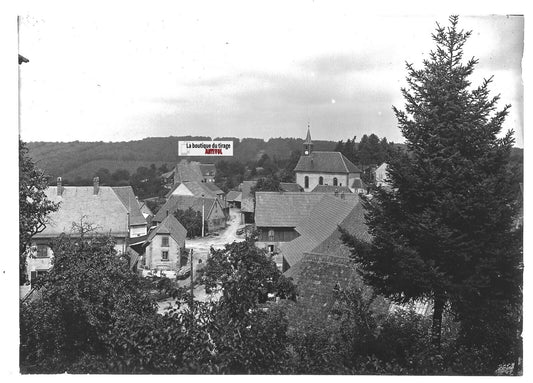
335,181
321,180
306,182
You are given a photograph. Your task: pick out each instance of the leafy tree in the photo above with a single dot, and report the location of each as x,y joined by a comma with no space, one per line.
87,300
34,207
270,183
191,221
446,229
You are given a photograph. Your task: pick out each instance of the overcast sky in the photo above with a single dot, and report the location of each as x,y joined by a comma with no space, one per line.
256,71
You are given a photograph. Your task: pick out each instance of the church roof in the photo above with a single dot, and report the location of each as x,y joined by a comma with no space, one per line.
326,162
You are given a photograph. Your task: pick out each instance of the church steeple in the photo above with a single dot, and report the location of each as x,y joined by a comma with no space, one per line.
308,144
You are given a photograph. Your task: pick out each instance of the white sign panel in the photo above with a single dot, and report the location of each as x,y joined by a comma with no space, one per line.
205,148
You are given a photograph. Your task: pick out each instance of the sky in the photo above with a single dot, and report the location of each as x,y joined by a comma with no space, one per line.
261,69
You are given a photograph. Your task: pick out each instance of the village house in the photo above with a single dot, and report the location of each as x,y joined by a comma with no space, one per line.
164,247
321,222
247,201
381,175
213,210
324,168
108,210
189,171
233,199
278,213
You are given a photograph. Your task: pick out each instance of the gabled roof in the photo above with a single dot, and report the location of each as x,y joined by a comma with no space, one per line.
278,209
199,188
326,162
330,189
171,226
126,195
290,187
105,210
317,226
184,202
234,195
145,210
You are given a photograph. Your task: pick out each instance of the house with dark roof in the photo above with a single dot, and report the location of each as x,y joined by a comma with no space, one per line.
213,211
108,210
320,223
278,213
321,265
324,168
164,247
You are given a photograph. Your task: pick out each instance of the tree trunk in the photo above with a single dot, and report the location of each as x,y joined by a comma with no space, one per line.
438,308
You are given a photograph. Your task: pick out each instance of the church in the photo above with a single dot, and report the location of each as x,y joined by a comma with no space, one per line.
325,168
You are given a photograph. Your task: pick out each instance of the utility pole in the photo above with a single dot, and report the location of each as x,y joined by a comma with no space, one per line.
192,285
203,213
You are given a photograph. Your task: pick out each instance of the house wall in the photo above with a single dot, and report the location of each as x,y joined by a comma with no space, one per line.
182,190
216,219
154,253
45,263
281,234
342,179
138,230
381,175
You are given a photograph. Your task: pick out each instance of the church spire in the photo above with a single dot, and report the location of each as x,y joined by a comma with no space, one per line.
308,144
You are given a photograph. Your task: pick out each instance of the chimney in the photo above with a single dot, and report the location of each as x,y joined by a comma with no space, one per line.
59,186
96,184
167,212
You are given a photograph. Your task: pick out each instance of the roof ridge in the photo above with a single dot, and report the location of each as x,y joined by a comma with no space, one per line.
344,162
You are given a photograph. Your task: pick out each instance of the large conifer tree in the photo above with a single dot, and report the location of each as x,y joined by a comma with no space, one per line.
446,229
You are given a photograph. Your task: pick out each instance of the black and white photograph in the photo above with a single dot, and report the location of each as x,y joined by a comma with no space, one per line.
268,188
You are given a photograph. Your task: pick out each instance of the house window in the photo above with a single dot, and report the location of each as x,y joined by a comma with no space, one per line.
270,248
164,255
164,241
42,251
271,235
334,181
321,180
306,182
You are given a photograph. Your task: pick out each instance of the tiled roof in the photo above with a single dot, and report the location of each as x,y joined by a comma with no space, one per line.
275,209
317,226
199,188
105,210
233,195
188,171
183,202
330,189
326,162
290,187
171,226
208,169
213,187
126,195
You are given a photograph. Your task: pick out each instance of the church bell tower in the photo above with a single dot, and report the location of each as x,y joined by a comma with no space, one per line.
308,144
